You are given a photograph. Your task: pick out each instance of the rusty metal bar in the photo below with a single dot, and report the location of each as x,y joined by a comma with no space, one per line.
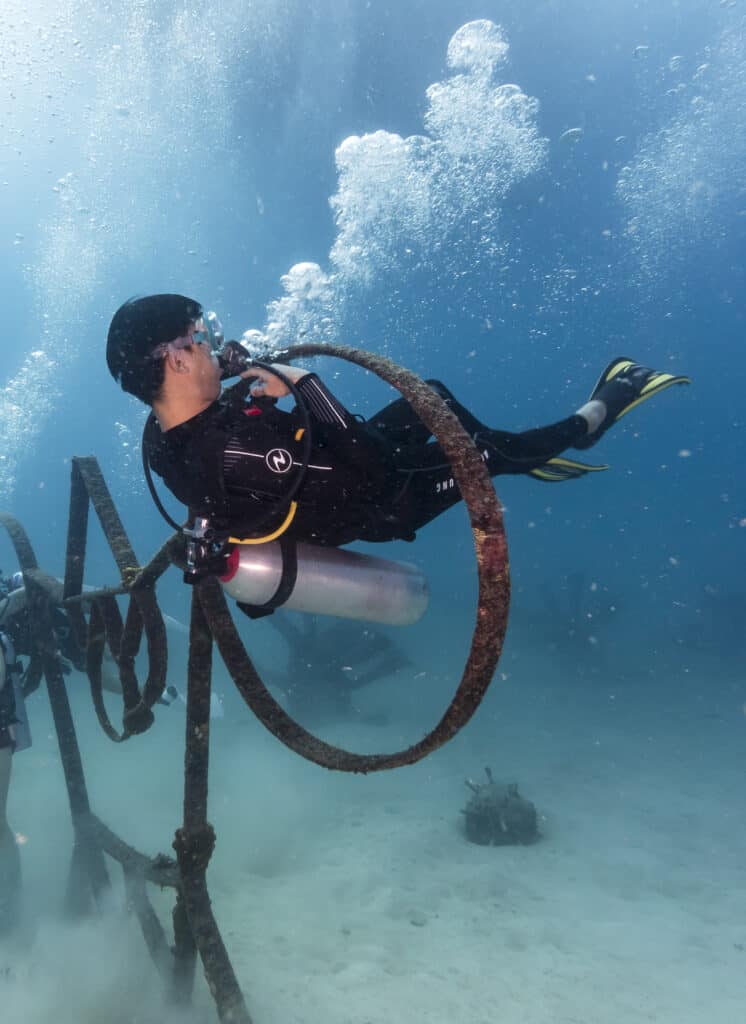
77,537
87,863
33,675
138,716
150,925
185,955
490,545
116,536
195,840
161,870
21,543
94,652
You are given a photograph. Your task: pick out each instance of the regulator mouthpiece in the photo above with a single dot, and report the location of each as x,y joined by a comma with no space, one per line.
233,359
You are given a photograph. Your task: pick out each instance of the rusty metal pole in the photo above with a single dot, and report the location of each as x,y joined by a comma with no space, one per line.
88,874
195,840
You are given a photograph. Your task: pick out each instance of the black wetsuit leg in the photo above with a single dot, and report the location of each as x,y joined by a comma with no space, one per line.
399,423
427,484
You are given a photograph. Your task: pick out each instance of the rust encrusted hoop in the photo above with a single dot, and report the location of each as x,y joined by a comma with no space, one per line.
485,516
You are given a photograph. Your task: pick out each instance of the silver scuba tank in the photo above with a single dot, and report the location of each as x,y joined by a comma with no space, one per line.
329,581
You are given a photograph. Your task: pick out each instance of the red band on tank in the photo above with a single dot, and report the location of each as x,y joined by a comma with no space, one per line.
231,566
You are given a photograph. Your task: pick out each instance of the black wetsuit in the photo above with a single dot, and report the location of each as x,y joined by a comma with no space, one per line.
378,480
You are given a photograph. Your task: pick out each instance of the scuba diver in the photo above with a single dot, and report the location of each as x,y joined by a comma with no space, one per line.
230,455
11,724
15,735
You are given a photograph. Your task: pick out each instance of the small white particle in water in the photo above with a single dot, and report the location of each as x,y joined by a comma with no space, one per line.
572,135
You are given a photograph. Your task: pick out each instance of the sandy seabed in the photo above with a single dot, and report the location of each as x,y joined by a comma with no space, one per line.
358,900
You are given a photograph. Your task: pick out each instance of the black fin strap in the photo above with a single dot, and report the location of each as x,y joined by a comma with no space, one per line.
288,577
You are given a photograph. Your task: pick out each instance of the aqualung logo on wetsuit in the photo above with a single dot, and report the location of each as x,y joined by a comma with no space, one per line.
278,460
441,486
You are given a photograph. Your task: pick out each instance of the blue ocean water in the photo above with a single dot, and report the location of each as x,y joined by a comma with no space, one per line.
500,195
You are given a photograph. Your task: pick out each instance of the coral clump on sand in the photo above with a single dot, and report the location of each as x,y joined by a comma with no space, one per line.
497,815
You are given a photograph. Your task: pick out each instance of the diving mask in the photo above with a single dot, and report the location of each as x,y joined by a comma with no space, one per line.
232,356
209,331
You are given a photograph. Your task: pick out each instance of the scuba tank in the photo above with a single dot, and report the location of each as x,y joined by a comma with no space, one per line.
326,581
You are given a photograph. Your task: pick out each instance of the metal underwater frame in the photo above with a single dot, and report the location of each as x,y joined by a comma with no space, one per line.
194,926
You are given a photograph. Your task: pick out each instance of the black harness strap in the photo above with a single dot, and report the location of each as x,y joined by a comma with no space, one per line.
288,578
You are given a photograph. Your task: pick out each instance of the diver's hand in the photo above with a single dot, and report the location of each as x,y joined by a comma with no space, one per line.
266,384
